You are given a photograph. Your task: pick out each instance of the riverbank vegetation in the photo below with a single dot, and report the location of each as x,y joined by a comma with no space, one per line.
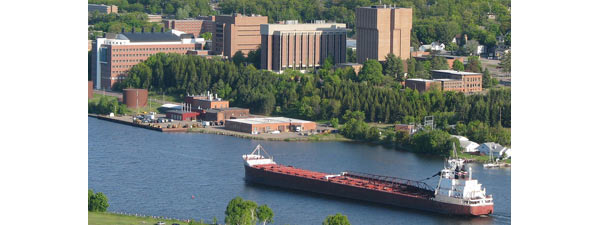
238,211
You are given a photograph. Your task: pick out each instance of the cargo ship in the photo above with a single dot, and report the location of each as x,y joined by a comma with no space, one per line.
456,192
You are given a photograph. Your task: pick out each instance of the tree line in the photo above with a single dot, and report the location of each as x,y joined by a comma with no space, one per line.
238,212
439,20
317,95
193,8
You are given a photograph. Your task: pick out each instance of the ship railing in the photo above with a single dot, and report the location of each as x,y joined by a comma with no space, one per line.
403,185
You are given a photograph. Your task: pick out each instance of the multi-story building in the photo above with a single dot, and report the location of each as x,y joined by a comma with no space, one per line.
195,27
301,46
471,82
103,8
237,33
421,85
381,30
114,55
450,84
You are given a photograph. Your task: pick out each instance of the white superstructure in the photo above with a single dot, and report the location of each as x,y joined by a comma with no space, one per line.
256,158
456,186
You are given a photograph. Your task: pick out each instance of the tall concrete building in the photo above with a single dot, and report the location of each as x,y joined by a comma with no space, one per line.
114,55
381,30
301,46
237,33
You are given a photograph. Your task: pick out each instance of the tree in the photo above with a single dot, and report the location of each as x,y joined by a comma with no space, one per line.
97,202
458,65
487,80
505,62
337,219
393,67
471,47
439,63
265,214
474,65
334,122
206,35
350,55
452,47
238,58
240,212
371,71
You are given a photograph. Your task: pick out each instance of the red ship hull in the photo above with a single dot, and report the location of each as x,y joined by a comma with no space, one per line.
304,180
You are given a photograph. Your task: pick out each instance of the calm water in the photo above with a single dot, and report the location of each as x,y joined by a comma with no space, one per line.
153,173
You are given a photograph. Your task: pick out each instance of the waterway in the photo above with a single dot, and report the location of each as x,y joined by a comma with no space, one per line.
185,175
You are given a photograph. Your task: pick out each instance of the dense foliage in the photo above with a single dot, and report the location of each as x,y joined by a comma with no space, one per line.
167,7
434,20
115,22
337,219
246,212
106,105
323,95
97,202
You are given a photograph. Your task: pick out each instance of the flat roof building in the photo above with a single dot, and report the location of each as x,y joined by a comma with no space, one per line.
191,26
269,124
237,33
421,85
182,115
471,82
114,55
103,8
220,116
381,30
301,46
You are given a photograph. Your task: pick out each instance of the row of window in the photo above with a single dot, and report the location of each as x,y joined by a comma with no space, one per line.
122,66
147,49
473,79
127,60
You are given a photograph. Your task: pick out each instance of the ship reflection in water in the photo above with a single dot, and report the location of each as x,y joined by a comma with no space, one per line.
153,173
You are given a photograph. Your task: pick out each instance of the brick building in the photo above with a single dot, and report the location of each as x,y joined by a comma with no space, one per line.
195,27
237,33
182,115
114,55
381,30
301,46
103,8
450,84
421,85
219,116
270,124
471,82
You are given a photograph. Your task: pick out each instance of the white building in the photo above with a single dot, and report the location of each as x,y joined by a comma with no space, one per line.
466,145
494,148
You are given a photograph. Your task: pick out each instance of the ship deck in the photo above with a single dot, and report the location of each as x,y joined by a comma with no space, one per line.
365,181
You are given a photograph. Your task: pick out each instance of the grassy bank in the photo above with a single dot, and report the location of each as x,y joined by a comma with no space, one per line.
328,137
103,218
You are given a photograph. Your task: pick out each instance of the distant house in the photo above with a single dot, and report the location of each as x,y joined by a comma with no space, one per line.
409,128
466,145
495,149
434,46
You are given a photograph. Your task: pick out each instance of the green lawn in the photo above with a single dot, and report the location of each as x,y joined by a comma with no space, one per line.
103,218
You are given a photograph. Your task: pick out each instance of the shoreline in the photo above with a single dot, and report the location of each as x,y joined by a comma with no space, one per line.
219,131
311,138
